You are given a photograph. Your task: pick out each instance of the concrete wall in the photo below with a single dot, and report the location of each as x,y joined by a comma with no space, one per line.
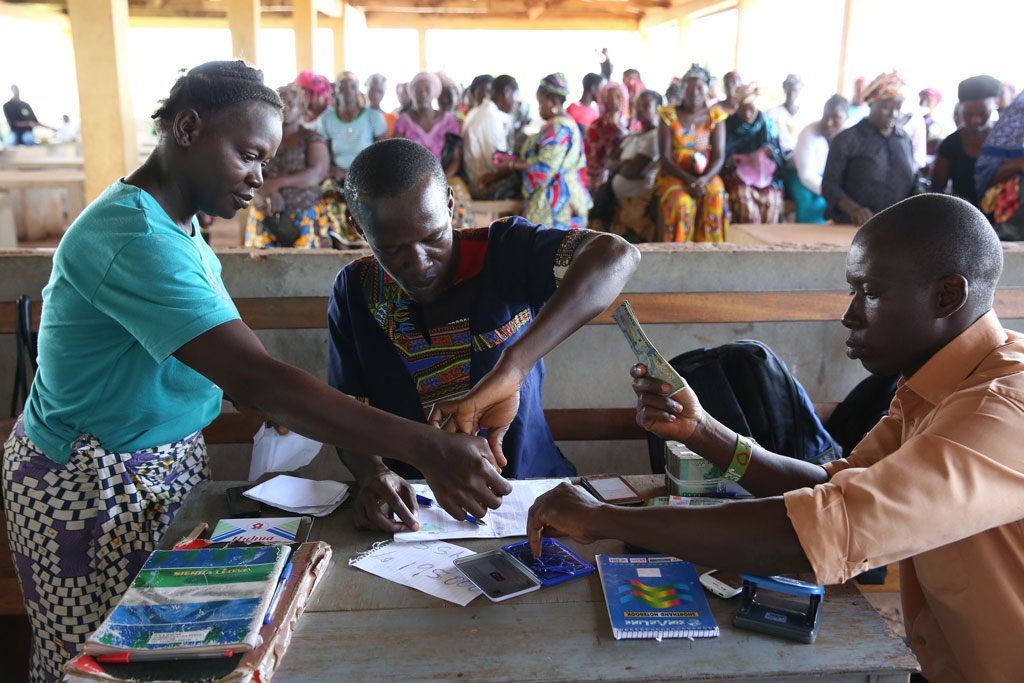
590,369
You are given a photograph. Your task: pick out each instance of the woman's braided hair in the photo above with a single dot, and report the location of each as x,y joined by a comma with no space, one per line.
214,86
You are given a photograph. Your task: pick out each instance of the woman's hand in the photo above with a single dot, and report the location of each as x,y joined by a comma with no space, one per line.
672,418
492,405
698,187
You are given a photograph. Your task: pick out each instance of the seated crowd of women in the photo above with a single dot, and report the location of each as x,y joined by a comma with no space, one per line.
627,160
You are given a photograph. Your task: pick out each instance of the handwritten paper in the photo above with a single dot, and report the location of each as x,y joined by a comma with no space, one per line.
507,520
427,566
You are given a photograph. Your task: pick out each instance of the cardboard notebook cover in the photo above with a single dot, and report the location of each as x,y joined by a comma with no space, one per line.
310,562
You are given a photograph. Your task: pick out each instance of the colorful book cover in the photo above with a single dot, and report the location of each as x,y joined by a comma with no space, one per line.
194,601
654,596
257,530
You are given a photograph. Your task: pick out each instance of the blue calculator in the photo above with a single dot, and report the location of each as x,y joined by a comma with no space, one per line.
556,563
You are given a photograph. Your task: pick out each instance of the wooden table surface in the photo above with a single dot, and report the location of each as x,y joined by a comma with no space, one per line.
358,626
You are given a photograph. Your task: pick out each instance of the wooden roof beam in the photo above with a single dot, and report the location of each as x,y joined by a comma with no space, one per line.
503,22
688,9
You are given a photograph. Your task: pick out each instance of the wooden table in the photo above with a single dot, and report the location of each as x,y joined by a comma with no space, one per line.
361,627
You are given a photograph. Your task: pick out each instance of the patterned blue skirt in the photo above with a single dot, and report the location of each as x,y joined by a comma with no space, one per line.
81,531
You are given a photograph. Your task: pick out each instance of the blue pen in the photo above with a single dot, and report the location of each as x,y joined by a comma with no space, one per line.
427,502
285,575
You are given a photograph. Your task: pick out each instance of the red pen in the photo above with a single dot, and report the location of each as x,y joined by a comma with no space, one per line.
159,656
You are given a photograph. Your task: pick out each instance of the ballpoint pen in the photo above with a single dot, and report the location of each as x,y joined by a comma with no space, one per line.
285,575
427,502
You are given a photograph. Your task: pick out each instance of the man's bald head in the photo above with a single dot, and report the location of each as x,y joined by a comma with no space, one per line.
938,235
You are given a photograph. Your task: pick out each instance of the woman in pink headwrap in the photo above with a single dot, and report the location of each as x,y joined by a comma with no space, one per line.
423,123
429,126
604,133
319,93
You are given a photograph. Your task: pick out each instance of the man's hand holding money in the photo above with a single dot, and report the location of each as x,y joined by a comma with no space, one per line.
672,418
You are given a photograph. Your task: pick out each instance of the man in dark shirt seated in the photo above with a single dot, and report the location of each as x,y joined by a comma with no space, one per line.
871,165
452,324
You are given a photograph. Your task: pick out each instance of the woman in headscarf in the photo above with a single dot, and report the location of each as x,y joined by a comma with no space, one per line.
553,164
753,161
958,153
288,210
691,145
871,164
423,123
997,175
604,133
319,93
432,127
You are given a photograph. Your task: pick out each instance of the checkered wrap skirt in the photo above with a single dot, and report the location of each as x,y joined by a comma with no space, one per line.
81,531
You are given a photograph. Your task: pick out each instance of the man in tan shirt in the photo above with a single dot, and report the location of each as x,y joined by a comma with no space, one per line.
938,485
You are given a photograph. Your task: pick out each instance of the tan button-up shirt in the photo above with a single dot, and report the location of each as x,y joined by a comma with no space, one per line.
939,486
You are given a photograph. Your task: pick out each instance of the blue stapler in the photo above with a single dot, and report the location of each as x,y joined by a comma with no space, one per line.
786,618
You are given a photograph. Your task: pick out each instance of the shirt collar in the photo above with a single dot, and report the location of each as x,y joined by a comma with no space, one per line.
955,361
868,128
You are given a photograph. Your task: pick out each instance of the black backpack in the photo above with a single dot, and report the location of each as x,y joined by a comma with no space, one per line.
748,388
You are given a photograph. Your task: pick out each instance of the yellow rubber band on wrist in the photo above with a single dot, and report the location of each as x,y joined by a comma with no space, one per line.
740,459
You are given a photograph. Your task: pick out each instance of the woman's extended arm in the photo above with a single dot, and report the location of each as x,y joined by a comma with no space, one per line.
231,356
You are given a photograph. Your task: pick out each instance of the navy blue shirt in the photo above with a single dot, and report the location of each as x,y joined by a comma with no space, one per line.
379,354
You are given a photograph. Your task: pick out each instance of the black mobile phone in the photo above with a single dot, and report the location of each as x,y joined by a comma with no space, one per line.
240,506
611,488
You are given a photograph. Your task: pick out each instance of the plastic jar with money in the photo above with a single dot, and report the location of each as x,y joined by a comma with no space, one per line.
687,474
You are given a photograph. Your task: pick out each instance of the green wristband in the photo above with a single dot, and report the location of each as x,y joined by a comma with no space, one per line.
740,459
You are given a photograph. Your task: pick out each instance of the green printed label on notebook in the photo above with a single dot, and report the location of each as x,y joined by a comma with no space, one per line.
201,576
643,349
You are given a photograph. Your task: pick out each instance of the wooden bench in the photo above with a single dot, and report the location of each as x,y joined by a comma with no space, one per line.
570,424
44,202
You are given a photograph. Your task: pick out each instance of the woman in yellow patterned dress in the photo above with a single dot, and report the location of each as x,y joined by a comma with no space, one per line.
691,143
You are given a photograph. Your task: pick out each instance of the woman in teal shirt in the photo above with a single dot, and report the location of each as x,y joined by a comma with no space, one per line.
137,339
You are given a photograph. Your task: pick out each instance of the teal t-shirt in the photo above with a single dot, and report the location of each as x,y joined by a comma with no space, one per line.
128,288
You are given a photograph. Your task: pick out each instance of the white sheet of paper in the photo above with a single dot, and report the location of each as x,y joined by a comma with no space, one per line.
304,496
425,565
507,520
273,452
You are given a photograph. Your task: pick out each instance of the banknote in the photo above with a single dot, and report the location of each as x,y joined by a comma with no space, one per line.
643,349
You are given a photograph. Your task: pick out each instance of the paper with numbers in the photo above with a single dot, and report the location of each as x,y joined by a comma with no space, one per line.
427,566
508,520
643,349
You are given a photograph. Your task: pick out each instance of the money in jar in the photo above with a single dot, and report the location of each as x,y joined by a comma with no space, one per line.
685,465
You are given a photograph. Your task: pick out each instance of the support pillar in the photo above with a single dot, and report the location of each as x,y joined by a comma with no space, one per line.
423,47
843,79
338,30
304,17
244,22
109,145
